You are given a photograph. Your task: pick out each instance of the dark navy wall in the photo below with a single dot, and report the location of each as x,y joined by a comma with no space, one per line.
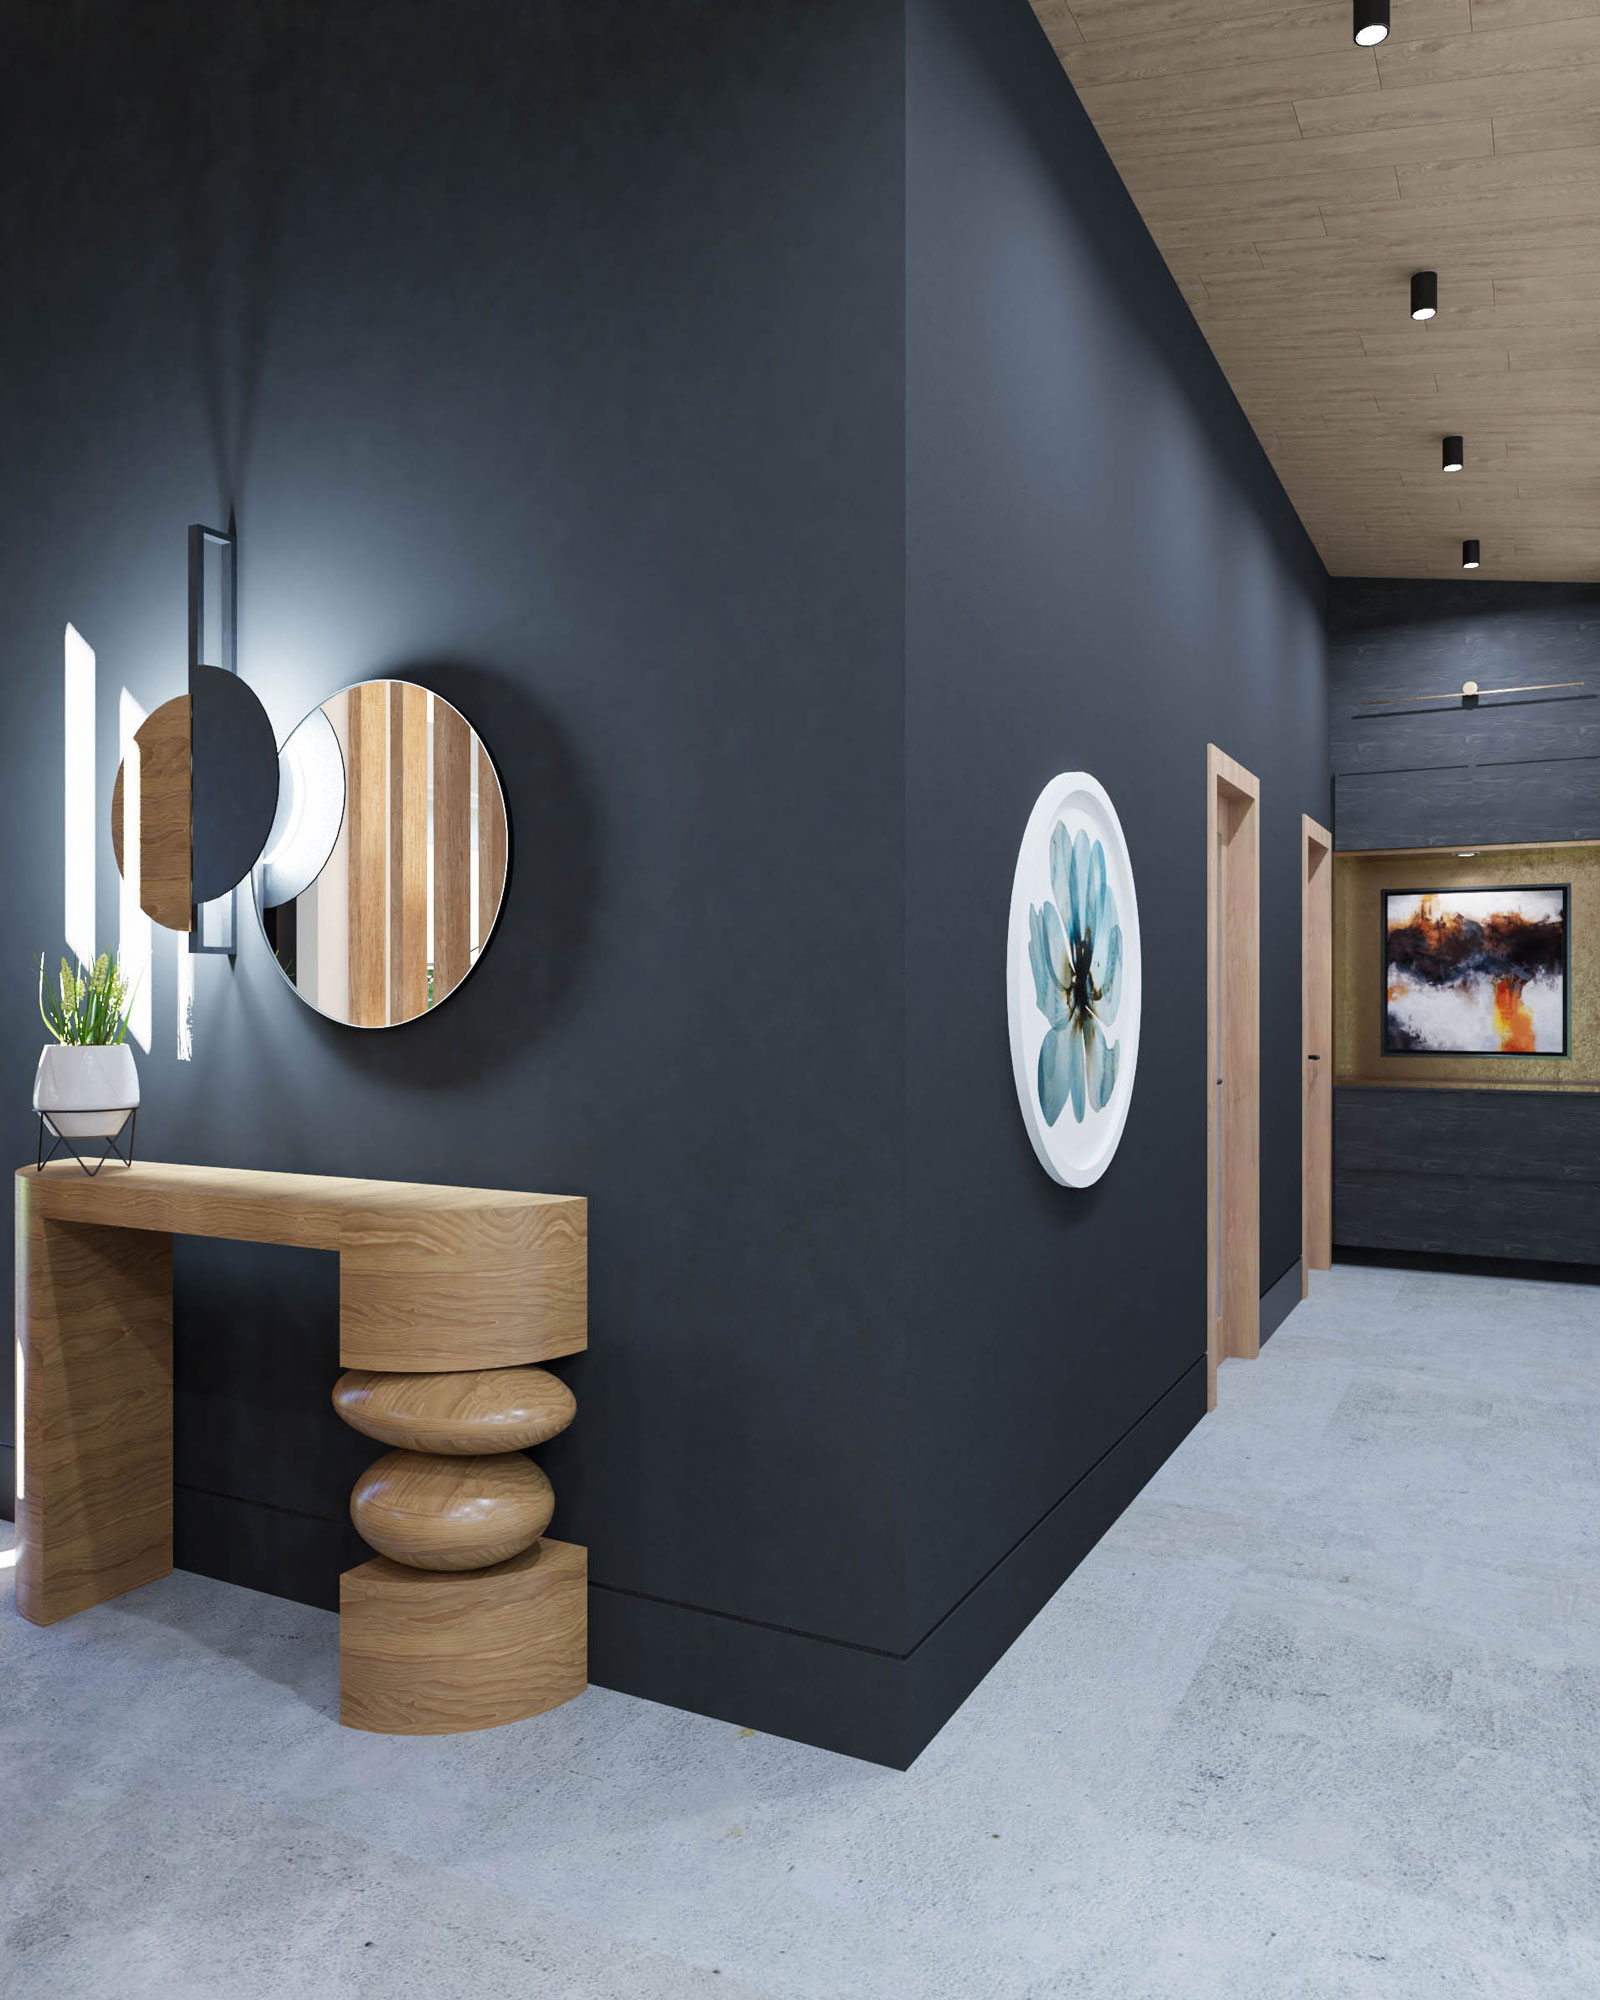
552,354
1103,573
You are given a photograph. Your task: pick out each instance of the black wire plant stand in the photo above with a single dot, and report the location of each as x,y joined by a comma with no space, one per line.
91,1163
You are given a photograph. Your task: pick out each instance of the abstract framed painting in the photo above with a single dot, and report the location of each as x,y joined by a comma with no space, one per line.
1477,972
1073,979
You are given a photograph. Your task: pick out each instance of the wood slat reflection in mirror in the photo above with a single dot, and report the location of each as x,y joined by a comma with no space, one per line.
452,847
408,850
491,846
368,819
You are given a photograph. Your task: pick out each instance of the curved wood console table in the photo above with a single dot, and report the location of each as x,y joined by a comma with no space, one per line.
446,1296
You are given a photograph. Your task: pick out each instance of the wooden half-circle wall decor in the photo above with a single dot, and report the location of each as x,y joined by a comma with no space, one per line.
459,1415
163,805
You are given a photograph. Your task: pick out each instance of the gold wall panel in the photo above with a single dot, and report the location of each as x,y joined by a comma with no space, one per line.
1358,883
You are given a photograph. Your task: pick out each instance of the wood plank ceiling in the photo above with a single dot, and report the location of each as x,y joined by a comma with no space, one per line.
1294,182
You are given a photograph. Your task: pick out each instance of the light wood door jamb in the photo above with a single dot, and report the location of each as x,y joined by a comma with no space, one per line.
1233,1078
1316,1050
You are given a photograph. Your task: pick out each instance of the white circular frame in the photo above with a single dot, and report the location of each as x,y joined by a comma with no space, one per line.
1075,1153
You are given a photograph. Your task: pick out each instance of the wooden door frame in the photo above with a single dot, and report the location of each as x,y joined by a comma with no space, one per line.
1316,1044
1233,1055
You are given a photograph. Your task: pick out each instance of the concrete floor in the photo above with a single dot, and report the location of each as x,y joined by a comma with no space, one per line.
1317,1719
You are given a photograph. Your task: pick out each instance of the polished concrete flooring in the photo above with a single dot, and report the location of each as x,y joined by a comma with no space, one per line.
1319,1718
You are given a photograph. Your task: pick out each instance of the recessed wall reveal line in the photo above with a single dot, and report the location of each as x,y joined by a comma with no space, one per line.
1371,23
1424,294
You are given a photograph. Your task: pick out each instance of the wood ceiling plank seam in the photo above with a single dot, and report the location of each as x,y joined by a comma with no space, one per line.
1058,22
1221,196
1557,166
1349,74
1293,34
1508,13
1465,139
1390,108
1108,19
1194,131
1480,224
1526,132
1493,52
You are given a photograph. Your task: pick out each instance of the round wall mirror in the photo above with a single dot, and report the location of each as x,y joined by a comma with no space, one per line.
383,874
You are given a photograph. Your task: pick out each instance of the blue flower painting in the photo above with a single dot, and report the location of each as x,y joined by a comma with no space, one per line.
1075,949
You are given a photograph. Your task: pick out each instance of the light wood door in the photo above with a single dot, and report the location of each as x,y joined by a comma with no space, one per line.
1316,1050
1233,1040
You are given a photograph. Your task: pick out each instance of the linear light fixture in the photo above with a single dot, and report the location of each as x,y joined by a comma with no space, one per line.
1469,555
1454,455
1371,23
78,922
1469,689
1424,294
133,926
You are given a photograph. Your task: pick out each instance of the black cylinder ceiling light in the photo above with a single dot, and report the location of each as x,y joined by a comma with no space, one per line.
1469,555
1454,456
1371,23
1424,294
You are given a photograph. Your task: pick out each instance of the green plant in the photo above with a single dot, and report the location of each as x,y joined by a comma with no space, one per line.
92,1008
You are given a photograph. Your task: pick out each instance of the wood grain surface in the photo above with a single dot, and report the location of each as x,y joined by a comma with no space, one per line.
493,846
452,848
367,817
1316,1049
1294,181
481,1410
427,1653
94,1423
431,1279
408,850
430,1511
1468,1173
165,806
1233,1017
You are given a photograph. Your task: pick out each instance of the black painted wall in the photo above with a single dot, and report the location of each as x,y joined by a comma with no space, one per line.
554,355
1102,573
1465,1173
772,426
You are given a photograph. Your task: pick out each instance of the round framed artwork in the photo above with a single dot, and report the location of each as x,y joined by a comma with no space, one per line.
1073,972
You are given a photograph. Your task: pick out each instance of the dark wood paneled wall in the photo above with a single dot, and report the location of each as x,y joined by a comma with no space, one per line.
1468,1172
1515,768
1465,1172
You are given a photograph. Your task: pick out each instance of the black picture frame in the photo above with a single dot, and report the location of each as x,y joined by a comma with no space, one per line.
1563,1054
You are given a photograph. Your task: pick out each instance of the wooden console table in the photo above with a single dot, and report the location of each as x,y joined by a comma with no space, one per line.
446,1295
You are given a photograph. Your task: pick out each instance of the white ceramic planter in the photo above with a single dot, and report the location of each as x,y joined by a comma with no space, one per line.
85,1093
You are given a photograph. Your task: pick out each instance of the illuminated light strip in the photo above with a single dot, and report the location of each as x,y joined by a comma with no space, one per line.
1456,694
78,925
133,926
185,997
